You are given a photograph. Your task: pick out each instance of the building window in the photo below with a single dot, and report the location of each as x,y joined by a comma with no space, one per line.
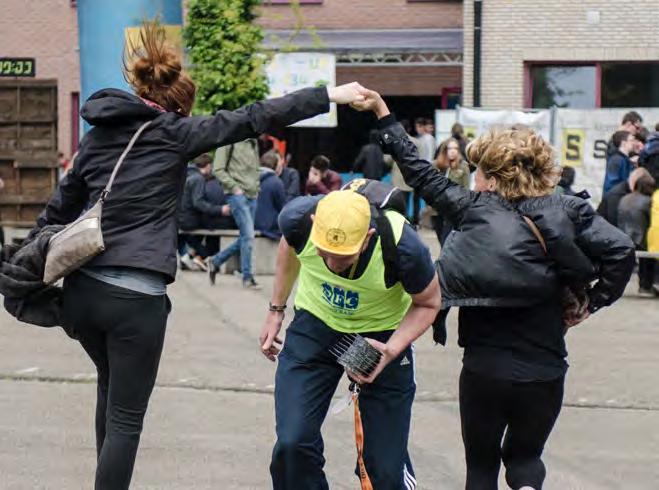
564,86
590,85
630,84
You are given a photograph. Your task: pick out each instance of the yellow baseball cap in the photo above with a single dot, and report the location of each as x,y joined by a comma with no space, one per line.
341,222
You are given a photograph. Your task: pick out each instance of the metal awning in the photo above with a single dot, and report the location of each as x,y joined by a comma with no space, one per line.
368,47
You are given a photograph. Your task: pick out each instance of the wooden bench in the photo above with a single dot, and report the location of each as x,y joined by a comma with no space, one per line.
264,253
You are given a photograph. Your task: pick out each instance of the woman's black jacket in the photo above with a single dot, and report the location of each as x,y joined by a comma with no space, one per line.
140,215
492,258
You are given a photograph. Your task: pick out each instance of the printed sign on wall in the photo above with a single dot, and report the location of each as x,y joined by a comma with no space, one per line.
288,72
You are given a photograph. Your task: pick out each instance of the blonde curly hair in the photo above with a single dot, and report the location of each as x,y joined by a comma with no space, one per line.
519,159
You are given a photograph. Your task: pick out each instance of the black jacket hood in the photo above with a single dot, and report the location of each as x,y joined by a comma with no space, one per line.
111,105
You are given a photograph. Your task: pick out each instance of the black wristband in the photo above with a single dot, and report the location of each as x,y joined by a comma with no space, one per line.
277,308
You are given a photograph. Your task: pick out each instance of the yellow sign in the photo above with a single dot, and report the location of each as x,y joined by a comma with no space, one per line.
574,141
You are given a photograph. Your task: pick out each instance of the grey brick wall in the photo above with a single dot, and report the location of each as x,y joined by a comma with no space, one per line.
519,31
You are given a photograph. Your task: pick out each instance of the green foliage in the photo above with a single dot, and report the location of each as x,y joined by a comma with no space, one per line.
224,49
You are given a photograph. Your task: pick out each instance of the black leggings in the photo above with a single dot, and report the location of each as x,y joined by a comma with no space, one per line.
122,331
526,412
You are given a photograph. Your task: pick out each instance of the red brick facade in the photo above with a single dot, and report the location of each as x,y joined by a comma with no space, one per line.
48,31
367,14
379,15
414,80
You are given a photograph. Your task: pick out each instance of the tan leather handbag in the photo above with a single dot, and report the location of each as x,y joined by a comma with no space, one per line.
82,240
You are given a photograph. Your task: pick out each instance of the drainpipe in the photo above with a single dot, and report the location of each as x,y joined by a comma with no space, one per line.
478,24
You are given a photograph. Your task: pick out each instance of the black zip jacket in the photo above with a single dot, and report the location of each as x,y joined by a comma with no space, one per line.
140,215
26,297
492,257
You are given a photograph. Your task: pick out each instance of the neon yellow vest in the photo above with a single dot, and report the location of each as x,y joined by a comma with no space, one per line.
356,305
653,232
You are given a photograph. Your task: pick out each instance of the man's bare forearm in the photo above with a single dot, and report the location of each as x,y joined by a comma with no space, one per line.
286,272
418,319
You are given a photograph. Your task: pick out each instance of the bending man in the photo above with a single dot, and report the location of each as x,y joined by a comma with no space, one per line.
332,243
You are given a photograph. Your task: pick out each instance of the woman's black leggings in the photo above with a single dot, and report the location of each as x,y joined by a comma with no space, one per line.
526,412
122,331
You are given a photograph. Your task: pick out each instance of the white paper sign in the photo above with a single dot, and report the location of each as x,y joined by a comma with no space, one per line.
288,72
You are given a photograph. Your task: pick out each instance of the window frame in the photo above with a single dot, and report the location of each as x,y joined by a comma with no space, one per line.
528,78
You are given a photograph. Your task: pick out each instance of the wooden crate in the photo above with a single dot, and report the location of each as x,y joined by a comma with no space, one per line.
28,148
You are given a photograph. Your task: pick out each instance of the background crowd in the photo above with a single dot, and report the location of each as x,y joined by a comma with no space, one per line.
259,171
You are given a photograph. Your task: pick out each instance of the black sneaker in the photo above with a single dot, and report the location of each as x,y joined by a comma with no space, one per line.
251,284
212,270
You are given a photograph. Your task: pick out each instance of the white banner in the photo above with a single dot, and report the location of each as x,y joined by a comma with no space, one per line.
477,121
581,138
288,72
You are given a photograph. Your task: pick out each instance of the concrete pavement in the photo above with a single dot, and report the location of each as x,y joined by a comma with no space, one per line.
210,423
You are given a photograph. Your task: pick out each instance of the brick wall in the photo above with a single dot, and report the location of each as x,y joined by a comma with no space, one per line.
367,14
414,80
48,31
515,31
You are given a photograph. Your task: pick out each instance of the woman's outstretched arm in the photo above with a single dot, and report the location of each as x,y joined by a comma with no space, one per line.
200,134
439,192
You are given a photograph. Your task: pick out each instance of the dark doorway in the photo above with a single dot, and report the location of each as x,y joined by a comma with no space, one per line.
341,144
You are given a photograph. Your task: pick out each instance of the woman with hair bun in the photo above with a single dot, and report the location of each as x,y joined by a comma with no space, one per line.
117,303
514,247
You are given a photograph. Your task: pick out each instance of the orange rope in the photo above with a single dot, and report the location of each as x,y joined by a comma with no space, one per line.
359,438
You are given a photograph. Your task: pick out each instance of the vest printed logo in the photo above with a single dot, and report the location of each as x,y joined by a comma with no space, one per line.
341,300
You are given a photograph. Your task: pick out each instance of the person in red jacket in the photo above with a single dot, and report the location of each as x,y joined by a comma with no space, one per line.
321,179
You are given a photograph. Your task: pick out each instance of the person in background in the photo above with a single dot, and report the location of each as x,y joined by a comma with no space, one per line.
290,177
608,207
272,197
632,123
426,139
398,180
567,180
618,165
321,179
237,168
450,163
194,206
649,156
458,134
370,160
634,220
430,128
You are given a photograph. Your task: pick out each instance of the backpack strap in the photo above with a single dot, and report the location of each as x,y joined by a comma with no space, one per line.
388,243
229,158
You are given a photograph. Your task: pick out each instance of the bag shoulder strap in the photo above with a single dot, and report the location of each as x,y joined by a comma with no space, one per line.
536,232
231,148
117,166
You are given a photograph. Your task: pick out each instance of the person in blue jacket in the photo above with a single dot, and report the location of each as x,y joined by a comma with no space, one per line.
271,199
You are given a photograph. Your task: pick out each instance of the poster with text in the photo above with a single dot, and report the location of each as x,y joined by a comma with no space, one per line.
288,72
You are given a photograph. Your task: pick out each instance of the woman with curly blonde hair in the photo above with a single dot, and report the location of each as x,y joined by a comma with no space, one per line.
117,303
515,246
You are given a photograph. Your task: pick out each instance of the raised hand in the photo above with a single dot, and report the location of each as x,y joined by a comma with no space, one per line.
346,94
372,101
